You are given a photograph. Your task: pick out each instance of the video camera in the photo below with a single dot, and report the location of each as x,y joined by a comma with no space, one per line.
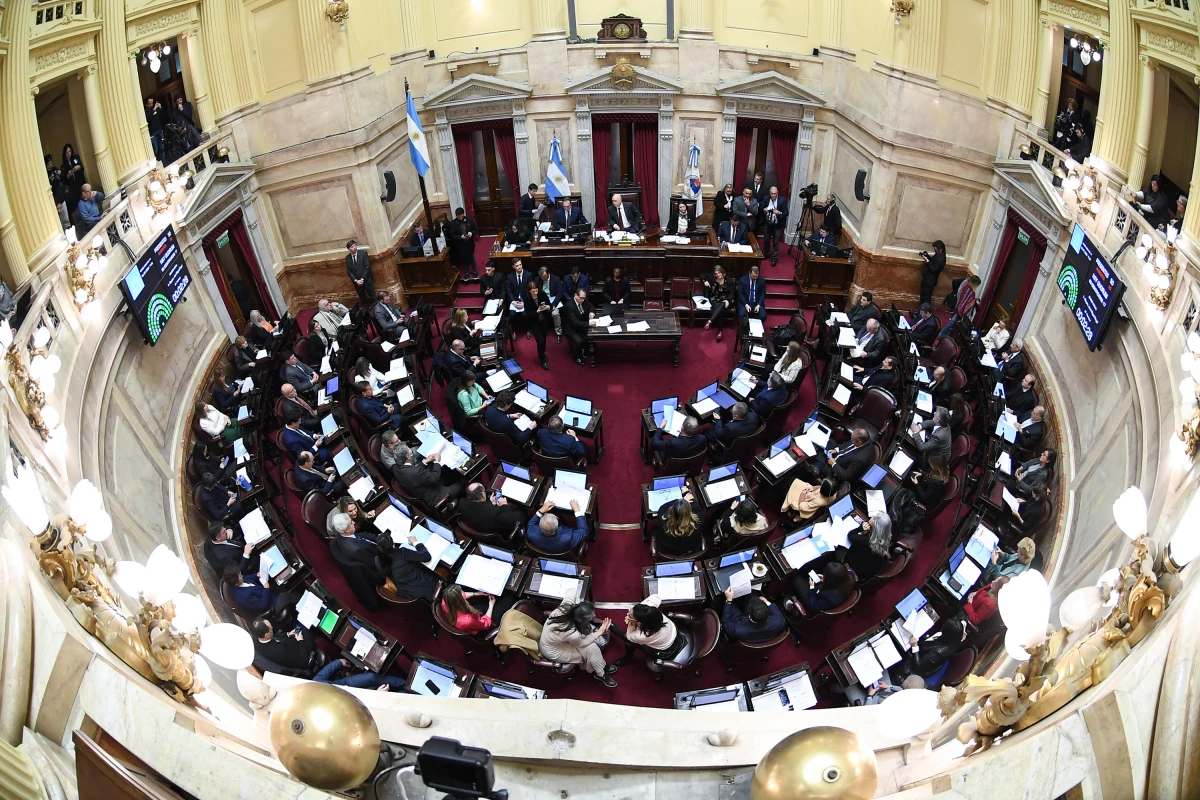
809,192
465,773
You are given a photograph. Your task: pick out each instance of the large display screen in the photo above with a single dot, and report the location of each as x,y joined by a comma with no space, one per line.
1090,287
154,286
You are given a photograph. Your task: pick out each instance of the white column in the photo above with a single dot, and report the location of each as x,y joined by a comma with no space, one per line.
261,252
1049,63
585,168
1000,202
454,188
214,293
801,157
728,139
666,162
525,175
105,170
1141,134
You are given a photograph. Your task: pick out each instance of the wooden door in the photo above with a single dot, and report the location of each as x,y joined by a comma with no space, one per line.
494,207
243,289
1008,285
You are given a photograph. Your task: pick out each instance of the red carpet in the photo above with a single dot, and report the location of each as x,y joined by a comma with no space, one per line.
621,390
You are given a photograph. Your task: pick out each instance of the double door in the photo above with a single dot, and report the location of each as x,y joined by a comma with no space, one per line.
494,187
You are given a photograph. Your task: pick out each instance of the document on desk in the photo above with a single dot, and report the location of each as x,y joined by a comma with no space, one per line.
781,462
528,402
841,394
613,328
846,372
758,354
1006,430
362,643
674,419
925,402
239,451
640,326
805,443
819,435
562,496
702,302
726,705
406,395
798,693
657,498
918,623
260,354
499,381
742,387
885,649
677,588
876,502
524,423
515,490
603,322
903,323
308,609
704,406
325,367
756,328
387,347
490,322
392,522
485,574
1004,463
988,360
740,581
922,375
839,531
721,491
846,337
865,665
361,488
247,385
397,370
800,553
998,391
345,321
839,318
490,307
560,586
254,527
1011,499
900,463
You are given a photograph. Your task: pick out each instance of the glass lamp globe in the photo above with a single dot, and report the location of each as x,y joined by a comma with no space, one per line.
50,417
1013,646
189,612
130,577
85,501
1024,604
1129,511
1096,55
166,50
1146,240
99,527
37,367
201,672
1080,608
1185,544
47,383
1185,361
1089,181
1095,207
1070,164
41,336
6,334
1074,42
227,645
908,713
165,576
1193,342
1140,253
53,364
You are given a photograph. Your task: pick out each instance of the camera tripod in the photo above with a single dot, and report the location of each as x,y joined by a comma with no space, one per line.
806,217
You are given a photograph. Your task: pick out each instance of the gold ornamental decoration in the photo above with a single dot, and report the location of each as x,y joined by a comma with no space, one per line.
324,736
623,75
821,763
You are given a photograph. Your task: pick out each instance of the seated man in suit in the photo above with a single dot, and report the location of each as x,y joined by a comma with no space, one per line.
296,440
556,441
569,215
529,205
616,289
1012,363
772,397
287,649
375,411
681,222
308,477
552,287
757,620
225,547
623,216
732,231
500,416
515,285
871,344
458,362
751,295
577,319
359,557
846,463
1022,401
822,237
883,376
491,285
297,373
774,212
547,533
925,329
419,235
1031,431
742,422
293,403
745,208
937,436
489,515
427,481
687,444
389,318
219,500
863,310
573,282
938,388
330,315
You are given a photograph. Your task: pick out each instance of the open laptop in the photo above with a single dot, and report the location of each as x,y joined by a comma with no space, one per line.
576,412
343,461
669,569
520,473
488,351
537,391
494,552
658,407
665,490
464,444
557,567
842,507
874,475
722,472
567,479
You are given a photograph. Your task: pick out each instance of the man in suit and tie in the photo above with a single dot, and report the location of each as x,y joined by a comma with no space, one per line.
375,411
569,215
577,319
574,281
459,363
297,373
308,477
681,221
832,221
723,205
359,558
425,480
491,285
219,500
1031,431
486,515
529,205
358,267
732,231
937,435
296,440
871,345
500,417
225,547
552,287
745,208
616,289
293,404
389,318
419,235
1012,363
688,443
758,190
751,295
514,286
822,237
847,463
742,422
925,329
935,262
863,310
774,212
622,216
1022,401
462,234
557,441
883,376
772,397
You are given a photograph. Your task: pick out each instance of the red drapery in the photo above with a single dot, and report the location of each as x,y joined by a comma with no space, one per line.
241,238
464,149
601,156
645,168
741,157
1007,243
506,146
783,148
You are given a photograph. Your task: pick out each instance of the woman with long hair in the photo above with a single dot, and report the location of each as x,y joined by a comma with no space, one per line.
647,627
471,395
870,546
804,500
214,423
362,519
790,364
244,356
225,396
73,177
570,637
261,331
318,343
462,614
365,372
744,518
930,486
681,531
719,290
460,328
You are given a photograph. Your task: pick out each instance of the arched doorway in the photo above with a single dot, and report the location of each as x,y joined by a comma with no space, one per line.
1013,274
236,271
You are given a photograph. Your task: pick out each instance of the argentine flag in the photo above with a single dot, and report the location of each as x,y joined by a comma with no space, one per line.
557,184
691,179
416,140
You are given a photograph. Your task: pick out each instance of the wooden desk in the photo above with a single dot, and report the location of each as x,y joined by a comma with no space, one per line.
503,690
664,332
649,513
463,677
701,481
594,430
650,259
711,566
650,586
432,279
768,683
537,481
837,659
737,264
821,280
331,604
530,588
381,655
770,479
520,566
295,569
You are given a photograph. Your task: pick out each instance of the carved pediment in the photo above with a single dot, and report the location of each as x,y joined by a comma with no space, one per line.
770,87
217,190
476,89
1032,182
627,79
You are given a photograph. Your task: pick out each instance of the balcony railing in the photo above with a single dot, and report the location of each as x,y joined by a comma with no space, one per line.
216,150
53,16
1028,147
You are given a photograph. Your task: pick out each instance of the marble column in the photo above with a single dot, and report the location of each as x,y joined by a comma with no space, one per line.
1175,755
728,141
1191,216
585,168
1113,144
1024,41
196,73
666,156
454,188
999,201
525,173
831,29
410,25
1049,62
14,254
1145,115
997,81
801,158
105,170
29,196
215,25
120,99
18,774
204,268
695,19
918,40
549,19
236,42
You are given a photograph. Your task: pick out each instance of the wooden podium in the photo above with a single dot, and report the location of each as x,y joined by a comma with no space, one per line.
433,278
820,279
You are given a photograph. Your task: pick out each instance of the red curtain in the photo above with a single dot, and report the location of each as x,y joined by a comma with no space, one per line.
601,156
464,149
1037,251
1007,242
783,148
506,146
645,168
241,238
741,157
210,252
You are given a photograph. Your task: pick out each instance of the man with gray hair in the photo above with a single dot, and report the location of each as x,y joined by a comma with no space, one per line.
389,450
330,315
359,558
933,436
424,480
1012,363
547,533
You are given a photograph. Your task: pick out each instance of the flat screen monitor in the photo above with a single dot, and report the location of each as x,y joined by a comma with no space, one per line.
721,472
1090,287
707,391
566,479
500,690
874,475
512,469
559,567
496,553
537,391
512,367
344,460
781,445
331,386
463,443
579,405
842,507
913,601
714,697
792,538
154,286
737,558
399,505
669,482
669,569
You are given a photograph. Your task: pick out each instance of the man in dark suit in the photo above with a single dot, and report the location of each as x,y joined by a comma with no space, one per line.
761,621
681,222
491,285
832,221
462,234
774,212
760,193
846,463
297,373
863,310
552,287
514,284
751,295
529,205
732,231
426,480
883,376
219,500
925,329
937,435
389,318
723,205
375,411
772,397
937,387
358,267
296,440
616,288
458,362
935,262
623,216
288,650
687,444
225,547
822,237
490,516
871,343
360,560
574,281
556,441
419,235
745,209
293,404
577,317
308,477
568,215
1022,401
500,416
743,422
1032,430
1012,363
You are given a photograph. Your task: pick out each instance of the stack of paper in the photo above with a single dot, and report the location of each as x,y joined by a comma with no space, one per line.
490,308
865,665
603,322
988,359
1004,463
819,435
846,337
677,588
243,413
740,581
800,553
613,329
743,384
308,609
560,586
805,443
528,402
846,372
781,462
925,402
406,395
839,318
758,353
756,328
516,490
396,370
260,354
903,324
900,463
325,367
702,302
345,320
499,381
392,522
247,385
704,406
488,323
485,574
1011,500
885,650
361,489
918,623
239,451
721,491
524,423
876,503
363,641
841,394
674,419
838,532
254,527
637,327
404,335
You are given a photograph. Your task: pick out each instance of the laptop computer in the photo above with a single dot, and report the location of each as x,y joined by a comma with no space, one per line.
658,407
512,367
557,567
495,552
539,392
566,479
579,405
521,473
723,471
464,444
343,460
487,351
874,475
781,445
669,569
842,507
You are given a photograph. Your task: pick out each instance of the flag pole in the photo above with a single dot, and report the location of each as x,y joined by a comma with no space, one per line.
424,194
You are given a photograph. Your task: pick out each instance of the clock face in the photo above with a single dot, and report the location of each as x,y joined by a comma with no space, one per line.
622,30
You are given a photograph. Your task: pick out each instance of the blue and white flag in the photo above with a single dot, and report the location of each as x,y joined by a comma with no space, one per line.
557,184
691,180
416,140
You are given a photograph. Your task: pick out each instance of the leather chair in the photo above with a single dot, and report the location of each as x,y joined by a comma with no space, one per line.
364,423
302,352
276,439
443,511
653,295
800,325
578,553
374,447
959,666
541,664
289,480
794,609
953,487
393,599
198,505
315,510
502,447
959,450
875,412
898,565
227,597
733,648
777,419
681,300
656,555
547,464
956,379
701,634
465,530
690,466
944,355
469,639
742,449
202,435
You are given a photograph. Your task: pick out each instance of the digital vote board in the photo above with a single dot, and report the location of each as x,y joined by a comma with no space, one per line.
155,285
1090,287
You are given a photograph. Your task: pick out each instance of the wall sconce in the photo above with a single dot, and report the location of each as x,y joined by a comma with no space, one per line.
1082,180
902,8
31,384
338,11
1158,267
162,184
1185,444
83,265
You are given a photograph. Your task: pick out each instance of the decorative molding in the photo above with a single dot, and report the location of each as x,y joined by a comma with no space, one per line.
161,23
60,56
464,95
1171,45
769,90
1093,18
630,87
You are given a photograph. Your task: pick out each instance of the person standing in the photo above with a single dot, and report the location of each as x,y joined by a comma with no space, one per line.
538,314
358,267
935,262
463,233
774,212
54,176
73,177
155,118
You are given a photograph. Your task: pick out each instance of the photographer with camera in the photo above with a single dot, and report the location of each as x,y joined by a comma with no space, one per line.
774,211
832,222
935,262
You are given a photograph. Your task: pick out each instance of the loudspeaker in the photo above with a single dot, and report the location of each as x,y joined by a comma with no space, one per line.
389,187
860,185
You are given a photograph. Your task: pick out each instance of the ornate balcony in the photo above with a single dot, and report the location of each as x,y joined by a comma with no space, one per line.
54,20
